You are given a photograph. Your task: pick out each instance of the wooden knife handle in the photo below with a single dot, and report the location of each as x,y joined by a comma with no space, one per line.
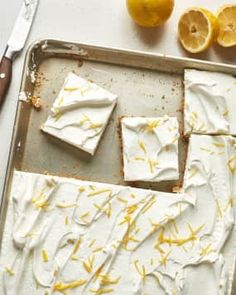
5,77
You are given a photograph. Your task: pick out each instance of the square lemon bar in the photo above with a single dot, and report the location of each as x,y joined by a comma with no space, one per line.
150,148
80,113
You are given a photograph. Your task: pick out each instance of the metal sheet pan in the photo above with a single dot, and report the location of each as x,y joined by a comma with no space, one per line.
147,85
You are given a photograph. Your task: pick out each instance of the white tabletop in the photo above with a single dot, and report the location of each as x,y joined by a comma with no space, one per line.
103,22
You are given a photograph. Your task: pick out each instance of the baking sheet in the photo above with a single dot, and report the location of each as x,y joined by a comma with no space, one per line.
146,85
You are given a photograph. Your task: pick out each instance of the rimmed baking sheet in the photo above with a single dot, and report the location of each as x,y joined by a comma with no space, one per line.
146,85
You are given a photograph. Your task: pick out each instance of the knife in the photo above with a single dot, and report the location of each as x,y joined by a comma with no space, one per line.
15,44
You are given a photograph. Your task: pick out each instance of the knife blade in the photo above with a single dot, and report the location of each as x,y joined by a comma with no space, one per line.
16,43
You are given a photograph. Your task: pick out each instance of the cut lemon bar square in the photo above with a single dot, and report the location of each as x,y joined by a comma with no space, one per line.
80,113
150,148
210,101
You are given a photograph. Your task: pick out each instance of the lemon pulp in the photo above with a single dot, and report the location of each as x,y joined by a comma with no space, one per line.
197,29
226,18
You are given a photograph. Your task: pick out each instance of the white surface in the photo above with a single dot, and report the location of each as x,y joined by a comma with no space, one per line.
103,22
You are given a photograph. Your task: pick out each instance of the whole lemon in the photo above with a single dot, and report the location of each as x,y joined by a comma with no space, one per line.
150,13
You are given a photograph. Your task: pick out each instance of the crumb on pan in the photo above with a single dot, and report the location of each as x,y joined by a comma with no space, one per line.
35,102
176,189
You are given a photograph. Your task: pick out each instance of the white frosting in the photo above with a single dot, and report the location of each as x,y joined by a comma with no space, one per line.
66,236
150,148
80,113
209,103
210,175
23,96
210,178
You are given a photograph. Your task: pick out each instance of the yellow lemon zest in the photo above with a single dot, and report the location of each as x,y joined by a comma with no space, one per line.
142,146
140,270
152,164
232,164
149,204
164,258
126,219
178,241
106,210
139,158
45,255
95,125
193,173
120,199
131,209
98,271
66,220
219,209
206,250
218,144
225,114
62,205
71,88
81,189
132,195
92,243
99,249
60,101
108,280
89,264
151,125
230,203
9,271
59,286
84,215
77,245
75,258
86,119
41,202
98,192
58,116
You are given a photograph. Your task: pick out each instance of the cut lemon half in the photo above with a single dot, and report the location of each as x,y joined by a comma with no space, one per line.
226,18
197,29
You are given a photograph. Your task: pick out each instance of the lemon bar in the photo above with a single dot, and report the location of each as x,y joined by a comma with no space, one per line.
80,113
150,148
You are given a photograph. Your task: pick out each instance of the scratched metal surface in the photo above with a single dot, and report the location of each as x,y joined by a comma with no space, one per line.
146,85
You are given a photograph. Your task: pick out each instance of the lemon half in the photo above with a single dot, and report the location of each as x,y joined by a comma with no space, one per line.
150,13
197,29
226,18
